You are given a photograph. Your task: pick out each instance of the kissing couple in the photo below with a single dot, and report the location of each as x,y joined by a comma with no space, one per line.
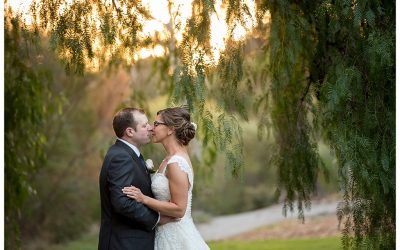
143,212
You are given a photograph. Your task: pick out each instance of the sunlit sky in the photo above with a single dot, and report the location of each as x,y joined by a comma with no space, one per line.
158,9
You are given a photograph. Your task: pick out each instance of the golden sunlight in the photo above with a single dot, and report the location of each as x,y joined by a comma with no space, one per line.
20,7
169,18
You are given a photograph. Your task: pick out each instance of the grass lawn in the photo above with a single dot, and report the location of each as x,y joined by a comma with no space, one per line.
87,243
299,244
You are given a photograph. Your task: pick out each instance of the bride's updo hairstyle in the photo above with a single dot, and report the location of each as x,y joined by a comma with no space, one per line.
179,119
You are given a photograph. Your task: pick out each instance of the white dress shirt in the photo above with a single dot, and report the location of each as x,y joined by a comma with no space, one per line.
133,147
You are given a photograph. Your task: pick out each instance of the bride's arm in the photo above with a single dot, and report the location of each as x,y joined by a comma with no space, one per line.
178,186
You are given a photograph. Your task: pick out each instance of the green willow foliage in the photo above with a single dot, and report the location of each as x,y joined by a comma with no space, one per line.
290,50
27,106
221,126
336,59
330,71
357,99
87,30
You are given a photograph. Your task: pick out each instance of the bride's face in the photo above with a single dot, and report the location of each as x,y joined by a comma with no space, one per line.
160,130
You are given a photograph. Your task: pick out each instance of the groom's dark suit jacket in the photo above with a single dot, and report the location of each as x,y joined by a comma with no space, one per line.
125,223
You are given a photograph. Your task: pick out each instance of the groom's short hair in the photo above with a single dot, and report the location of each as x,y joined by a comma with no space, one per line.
123,119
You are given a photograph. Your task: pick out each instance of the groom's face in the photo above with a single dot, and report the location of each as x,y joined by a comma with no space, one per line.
142,134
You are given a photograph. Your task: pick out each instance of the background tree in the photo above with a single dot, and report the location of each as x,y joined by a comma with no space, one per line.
29,102
339,57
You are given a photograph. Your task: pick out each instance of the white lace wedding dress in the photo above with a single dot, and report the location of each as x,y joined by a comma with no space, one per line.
181,235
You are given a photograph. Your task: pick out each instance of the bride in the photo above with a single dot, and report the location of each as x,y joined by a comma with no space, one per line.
172,184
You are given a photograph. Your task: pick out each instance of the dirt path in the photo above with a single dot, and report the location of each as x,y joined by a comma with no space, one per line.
224,227
319,226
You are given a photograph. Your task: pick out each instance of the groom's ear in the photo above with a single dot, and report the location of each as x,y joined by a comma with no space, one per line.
129,131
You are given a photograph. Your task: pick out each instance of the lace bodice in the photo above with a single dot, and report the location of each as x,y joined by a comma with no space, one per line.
181,235
160,183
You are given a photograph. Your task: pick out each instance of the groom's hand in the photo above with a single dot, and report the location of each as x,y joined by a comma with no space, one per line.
167,219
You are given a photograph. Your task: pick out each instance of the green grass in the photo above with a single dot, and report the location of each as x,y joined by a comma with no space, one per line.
87,243
299,244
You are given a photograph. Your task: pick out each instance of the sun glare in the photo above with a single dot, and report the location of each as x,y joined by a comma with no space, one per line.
181,10
21,7
157,51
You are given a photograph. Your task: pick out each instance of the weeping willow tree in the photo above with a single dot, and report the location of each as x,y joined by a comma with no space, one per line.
335,59
328,73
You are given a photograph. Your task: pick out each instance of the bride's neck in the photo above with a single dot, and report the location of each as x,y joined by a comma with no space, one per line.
173,148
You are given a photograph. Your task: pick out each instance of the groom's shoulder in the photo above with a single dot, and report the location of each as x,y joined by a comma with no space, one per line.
116,149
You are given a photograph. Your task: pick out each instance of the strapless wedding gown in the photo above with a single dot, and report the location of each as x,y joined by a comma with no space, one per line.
181,235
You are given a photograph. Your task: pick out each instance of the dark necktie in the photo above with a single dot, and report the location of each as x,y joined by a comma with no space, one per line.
143,162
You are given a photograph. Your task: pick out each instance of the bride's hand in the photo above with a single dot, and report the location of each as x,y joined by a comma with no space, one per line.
134,193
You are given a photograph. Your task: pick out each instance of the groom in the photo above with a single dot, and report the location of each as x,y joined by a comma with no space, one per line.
125,223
